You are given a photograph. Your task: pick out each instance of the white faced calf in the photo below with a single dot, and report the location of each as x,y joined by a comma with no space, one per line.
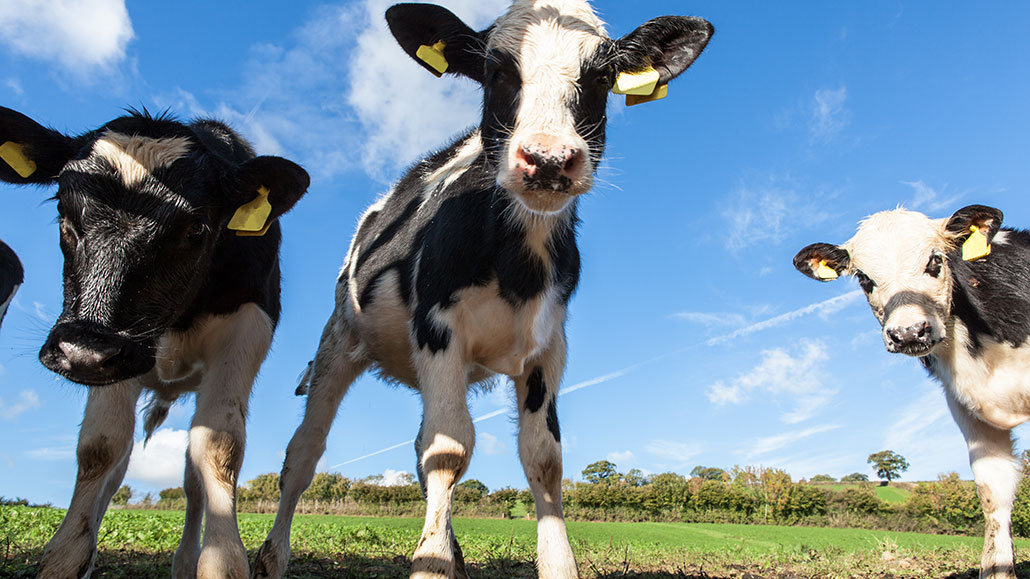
159,295
465,269
956,294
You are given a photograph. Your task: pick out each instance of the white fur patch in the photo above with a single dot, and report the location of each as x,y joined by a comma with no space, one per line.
135,157
455,167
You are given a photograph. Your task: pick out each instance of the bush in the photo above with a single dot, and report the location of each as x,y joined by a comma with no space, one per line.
950,504
326,487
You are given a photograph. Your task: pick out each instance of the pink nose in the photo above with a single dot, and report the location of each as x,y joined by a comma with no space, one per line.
549,166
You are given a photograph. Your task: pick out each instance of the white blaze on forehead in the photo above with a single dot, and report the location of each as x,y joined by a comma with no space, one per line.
896,243
135,157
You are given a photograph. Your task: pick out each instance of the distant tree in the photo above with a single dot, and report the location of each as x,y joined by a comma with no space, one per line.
634,478
475,485
602,471
507,496
327,487
855,477
148,500
122,495
823,478
171,494
263,487
888,464
710,473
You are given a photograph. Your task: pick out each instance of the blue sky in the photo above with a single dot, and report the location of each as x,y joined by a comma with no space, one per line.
692,339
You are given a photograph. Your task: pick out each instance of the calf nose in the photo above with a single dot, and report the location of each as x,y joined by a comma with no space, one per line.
549,166
915,334
77,359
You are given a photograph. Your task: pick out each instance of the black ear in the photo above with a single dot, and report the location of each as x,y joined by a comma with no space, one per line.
987,220
285,181
30,152
670,44
416,25
822,261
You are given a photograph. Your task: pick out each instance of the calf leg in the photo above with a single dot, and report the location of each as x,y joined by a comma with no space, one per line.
446,441
105,442
997,475
184,563
328,379
540,451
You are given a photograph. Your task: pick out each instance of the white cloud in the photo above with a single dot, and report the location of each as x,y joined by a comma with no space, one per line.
823,308
765,211
82,36
829,116
489,445
679,453
15,86
770,443
162,461
781,374
926,435
621,457
392,478
927,198
27,400
52,453
709,319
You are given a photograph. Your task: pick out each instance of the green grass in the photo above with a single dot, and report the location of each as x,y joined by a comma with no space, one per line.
135,543
891,494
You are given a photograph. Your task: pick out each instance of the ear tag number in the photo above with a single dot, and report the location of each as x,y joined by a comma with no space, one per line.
252,218
825,272
660,92
976,245
14,155
641,83
433,56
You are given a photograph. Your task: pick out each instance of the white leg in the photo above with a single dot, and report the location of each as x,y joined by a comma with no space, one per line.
540,451
332,373
184,563
997,475
446,441
105,441
233,351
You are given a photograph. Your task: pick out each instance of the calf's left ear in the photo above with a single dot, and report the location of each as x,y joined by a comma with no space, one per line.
437,39
986,220
822,261
667,45
264,188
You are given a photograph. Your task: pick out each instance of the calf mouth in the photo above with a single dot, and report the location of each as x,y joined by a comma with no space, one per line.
92,356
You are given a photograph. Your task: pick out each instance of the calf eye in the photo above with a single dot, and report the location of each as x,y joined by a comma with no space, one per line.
935,265
195,234
864,281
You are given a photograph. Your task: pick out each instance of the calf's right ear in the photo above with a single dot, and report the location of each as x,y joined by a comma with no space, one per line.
437,39
822,261
263,189
30,152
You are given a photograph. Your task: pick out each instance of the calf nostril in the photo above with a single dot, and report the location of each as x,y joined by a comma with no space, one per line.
894,335
922,330
571,159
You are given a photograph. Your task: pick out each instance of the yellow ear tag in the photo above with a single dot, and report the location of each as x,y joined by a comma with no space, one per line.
976,245
640,83
252,218
825,272
660,92
433,56
14,155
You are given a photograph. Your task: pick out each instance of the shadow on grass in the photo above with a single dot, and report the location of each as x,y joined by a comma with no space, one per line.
1022,571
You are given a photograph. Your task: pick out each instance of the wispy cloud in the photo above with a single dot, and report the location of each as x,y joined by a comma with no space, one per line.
84,37
27,400
711,319
677,453
781,374
926,198
829,116
621,457
823,308
66,452
489,445
925,434
161,461
764,211
772,443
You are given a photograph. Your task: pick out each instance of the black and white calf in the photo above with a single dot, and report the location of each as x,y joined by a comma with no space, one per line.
11,277
954,292
159,295
465,268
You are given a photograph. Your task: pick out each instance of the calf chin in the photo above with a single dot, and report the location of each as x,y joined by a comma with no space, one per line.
92,355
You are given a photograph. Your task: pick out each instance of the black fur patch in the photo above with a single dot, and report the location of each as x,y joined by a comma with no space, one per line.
535,389
552,420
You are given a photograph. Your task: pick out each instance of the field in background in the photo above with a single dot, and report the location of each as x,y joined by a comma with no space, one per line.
138,543
894,494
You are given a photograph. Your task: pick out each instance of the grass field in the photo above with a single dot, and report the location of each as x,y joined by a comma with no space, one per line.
892,494
136,543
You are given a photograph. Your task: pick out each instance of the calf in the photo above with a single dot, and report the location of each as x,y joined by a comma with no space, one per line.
160,296
464,270
11,276
954,292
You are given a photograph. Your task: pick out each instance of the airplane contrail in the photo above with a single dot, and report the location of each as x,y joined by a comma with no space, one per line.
830,305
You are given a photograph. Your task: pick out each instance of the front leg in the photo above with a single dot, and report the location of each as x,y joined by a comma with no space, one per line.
233,349
997,475
105,442
540,451
444,445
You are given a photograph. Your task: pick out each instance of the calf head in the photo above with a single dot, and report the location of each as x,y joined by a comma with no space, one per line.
546,67
902,261
143,205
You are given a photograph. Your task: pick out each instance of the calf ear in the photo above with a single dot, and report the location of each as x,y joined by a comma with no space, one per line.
30,152
822,261
437,39
986,220
281,181
669,44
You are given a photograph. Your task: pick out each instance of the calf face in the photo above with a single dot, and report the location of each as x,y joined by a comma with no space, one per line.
546,67
144,203
901,260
